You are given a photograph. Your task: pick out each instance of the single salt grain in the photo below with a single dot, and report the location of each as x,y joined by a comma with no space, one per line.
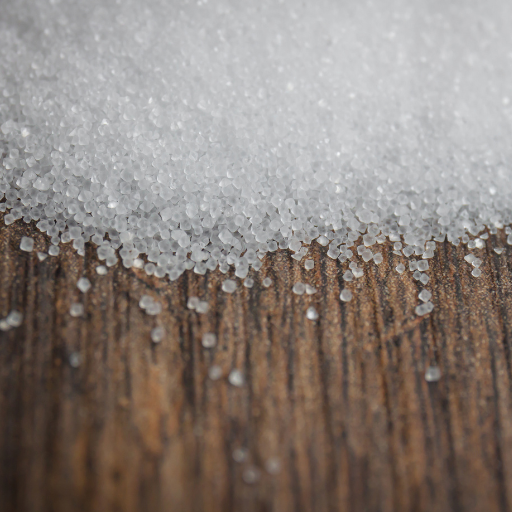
236,378
346,295
83,284
54,250
75,359
476,272
358,272
273,466
299,288
422,265
209,340
155,308
249,282
377,258
310,290
424,279
157,334
4,326
145,301
417,275
251,475
266,282
309,264
348,276
400,268
76,310
215,372
476,262
311,313
469,258
240,454
192,302
498,250
101,270
424,308
425,295
27,244
42,256
229,286
202,306
432,374
14,318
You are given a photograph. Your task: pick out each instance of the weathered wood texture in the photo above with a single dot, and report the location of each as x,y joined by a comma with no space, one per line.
342,402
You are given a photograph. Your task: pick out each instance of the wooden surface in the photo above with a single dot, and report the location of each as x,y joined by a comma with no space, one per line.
342,402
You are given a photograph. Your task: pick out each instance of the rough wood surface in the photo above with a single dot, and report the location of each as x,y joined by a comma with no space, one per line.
342,402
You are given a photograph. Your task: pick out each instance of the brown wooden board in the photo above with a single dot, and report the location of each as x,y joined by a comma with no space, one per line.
342,402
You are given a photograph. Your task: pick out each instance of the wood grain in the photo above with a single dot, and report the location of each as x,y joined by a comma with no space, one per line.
342,402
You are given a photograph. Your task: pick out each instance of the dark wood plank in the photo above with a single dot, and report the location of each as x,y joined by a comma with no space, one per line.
342,402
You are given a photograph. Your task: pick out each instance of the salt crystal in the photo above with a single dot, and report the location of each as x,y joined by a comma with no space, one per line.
76,310
215,372
101,270
273,466
209,340
236,378
240,454
202,307
83,284
432,374
377,258
251,475
425,295
310,290
157,334
54,250
346,295
192,302
311,313
424,279
400,268
299,288
41,256
476,272
14,318
422,265
27,244
498,250
229,286
266,282
75,359
248,282
309,264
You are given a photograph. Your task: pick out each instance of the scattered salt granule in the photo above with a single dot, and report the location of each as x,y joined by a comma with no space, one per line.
498,250
400,268
358,272
236,378
251,475
346,295
299,288
149,305
476,262
309,264
425,295
417,275
476,272
14,318
76,310
83,284
348,276
75,359
228,286
202,306
215,372
424,279
192,302
157,334
310,290
432,374
377,258
273,466
311,313
240,454
4,326
41,256
27,244
209,340
248,282
101,270
266,282
424,308
470,258
54,250
422,265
